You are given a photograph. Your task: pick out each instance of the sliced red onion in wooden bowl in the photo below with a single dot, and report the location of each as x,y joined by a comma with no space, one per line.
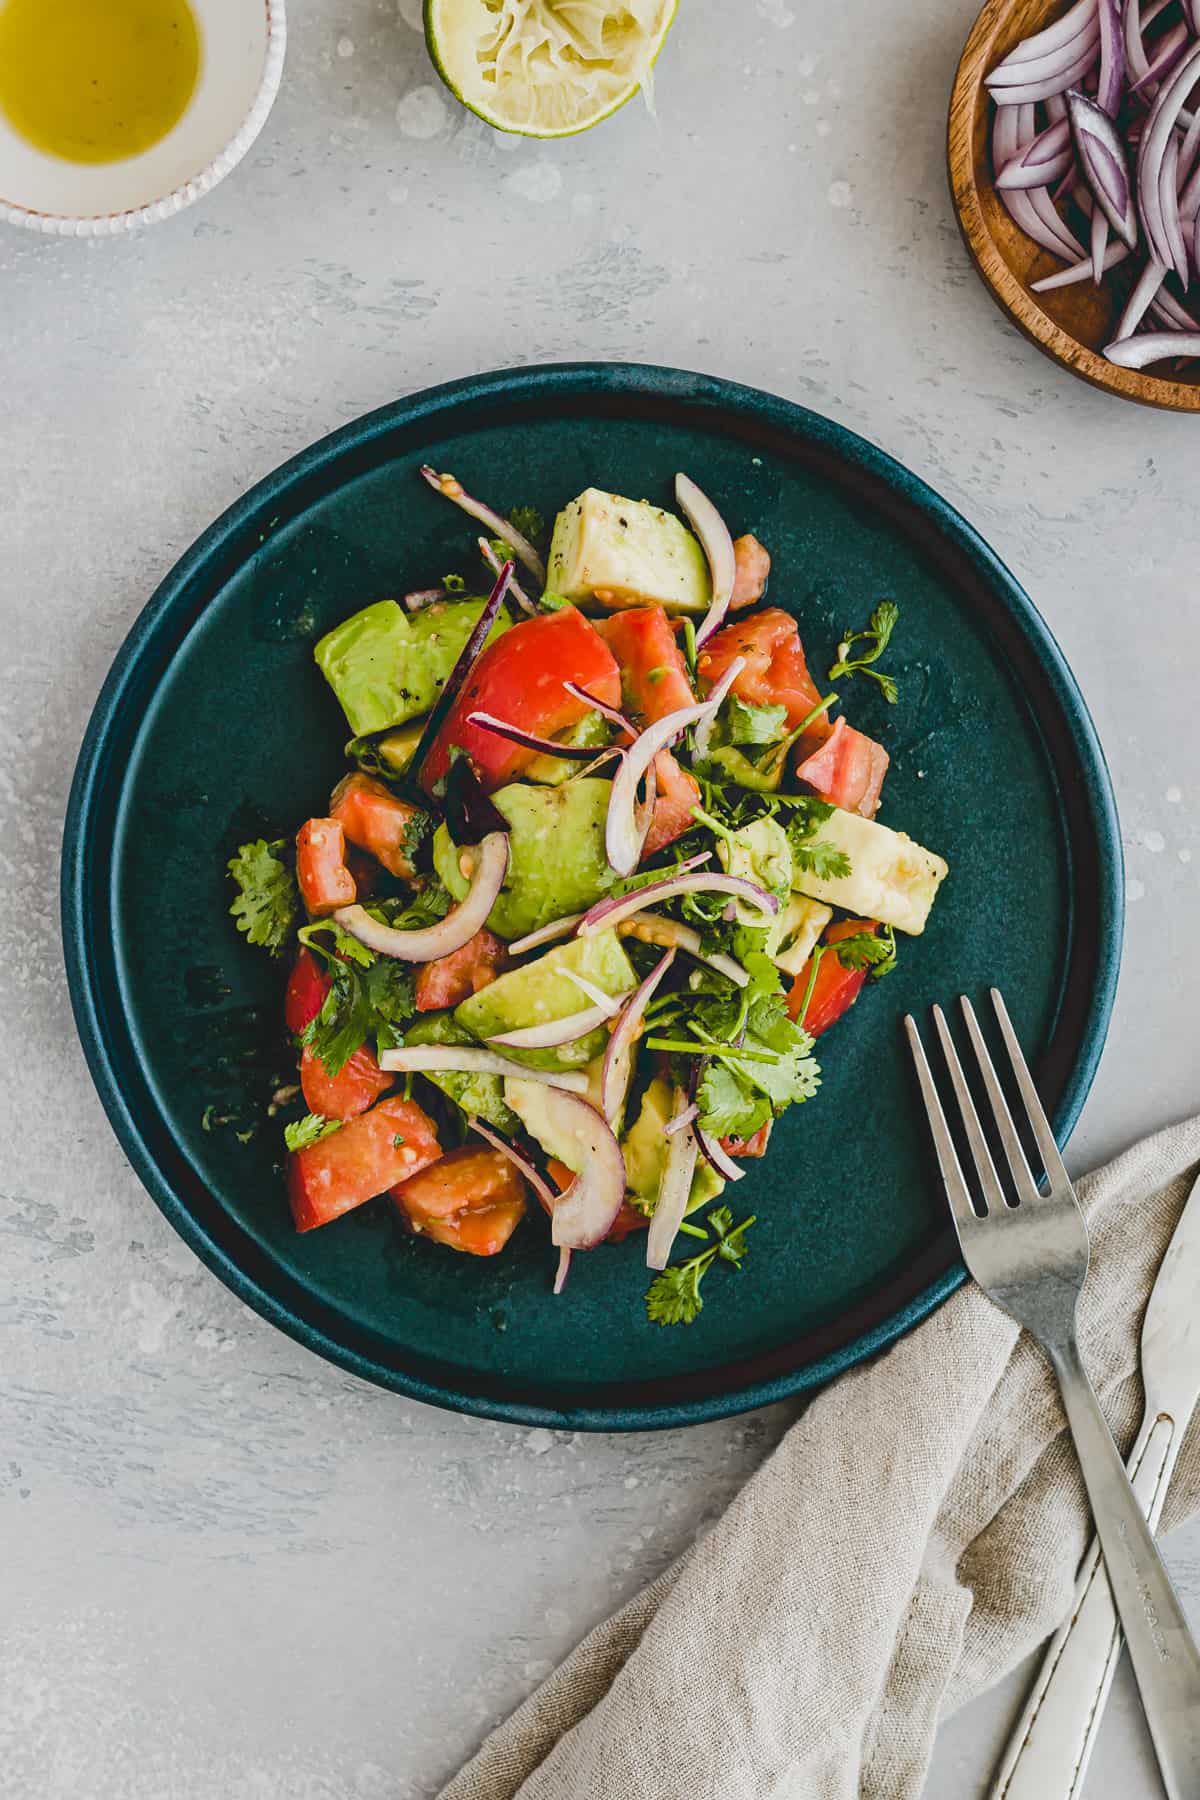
1044,159
1153,150
674,1193
1101,157
618,1065
452,489
1155,346
458,927
467,1059
717,545
615,908
584,1214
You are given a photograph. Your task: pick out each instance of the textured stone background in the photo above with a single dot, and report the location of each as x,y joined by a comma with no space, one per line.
226,1568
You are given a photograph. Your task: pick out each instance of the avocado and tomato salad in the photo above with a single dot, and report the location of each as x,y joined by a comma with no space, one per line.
604,866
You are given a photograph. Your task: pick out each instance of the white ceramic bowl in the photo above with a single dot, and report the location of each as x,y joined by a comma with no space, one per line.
242,47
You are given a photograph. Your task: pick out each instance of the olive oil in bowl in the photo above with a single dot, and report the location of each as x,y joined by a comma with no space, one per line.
96,81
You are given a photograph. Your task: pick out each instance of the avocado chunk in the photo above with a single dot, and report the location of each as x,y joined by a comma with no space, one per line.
891,878
760,852
629,549
479,1096
387,666
556,859
540,991
533,1103
592,731
646,1151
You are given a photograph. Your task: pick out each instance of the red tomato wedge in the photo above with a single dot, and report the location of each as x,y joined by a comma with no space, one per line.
751,566
356,1086
454,978
836,987
366,1157
628,1220
373,818
676,794
654,678
325,881
471,1200
307,987
751,1146
519,678
847,770
775,674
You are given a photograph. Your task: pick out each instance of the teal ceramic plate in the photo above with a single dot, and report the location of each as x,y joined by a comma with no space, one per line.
214,725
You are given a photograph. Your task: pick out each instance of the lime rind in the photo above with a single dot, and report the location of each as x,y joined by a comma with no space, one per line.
545,68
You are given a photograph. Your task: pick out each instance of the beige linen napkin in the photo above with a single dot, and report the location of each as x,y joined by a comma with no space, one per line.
914,1536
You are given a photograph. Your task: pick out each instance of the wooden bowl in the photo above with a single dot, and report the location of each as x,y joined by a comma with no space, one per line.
1071,324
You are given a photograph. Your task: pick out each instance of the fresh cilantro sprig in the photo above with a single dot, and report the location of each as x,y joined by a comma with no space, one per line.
876,637
674,1297
309,1130
369,996
821,858
528,521
867,950
268,899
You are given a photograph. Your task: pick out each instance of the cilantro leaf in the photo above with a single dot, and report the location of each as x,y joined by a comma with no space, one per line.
674,1297
821,858
528,521
344,1021
341,946
268,899
728,1106
309,1130
743,723
877,637
868,950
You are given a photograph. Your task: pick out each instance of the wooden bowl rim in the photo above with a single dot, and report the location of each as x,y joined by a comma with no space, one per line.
1009,294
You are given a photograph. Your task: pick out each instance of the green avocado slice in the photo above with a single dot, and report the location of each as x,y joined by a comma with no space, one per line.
387,666
541,990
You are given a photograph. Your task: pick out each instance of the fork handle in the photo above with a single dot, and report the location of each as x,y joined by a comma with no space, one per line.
1166,1662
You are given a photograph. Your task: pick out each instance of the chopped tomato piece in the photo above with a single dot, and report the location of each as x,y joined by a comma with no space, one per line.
847,770
366,1157
836,987
751,1146
654,678
470,1199
364,869
775,674
519,678
307,987
628,1220
325,881
677,793
454,978
356,1086
376,820
752,565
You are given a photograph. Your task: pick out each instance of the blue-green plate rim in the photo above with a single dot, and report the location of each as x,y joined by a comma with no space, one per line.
534,386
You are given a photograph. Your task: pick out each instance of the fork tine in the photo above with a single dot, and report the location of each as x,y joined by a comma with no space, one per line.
1014,1153
957,1191
985,1168
1051,1160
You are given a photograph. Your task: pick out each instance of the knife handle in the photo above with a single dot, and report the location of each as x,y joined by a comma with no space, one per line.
1050,1747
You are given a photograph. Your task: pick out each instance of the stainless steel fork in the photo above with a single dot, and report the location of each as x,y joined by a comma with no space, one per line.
1031,1259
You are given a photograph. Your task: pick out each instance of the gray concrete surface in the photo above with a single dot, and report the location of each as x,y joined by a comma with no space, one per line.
227,1569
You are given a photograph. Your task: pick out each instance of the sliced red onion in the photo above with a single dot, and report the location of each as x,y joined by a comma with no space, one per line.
612,910
1134,23
1189,153
1154,347
1144,291
1102,159
449,934
1167,53
609,1004
673,1194
1046,158
1080,271
466,1059
653,928
610,712
516,591
680,1120
1099,244
1056,79
553,1032
1168,194
715,1153
1032,210
717,545
1164,306
1110,80
529,740
420,598
1048,50
467,658
545,934
522,1164
584,1214
522,549
618,1060
1153,150
564,1269
622,839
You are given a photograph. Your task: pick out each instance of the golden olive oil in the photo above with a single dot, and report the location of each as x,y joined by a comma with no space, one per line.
96,80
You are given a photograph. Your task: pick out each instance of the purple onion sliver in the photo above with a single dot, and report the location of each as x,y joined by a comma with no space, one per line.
1100,229
1051,85
680,1120
1153,149
1061,32
1145,288
529,740
515,590
498,1141
452,489
1167,54
1110,81
609,712
1028,63
1175,317
1156,346
1102,163
1080,271
1168,199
